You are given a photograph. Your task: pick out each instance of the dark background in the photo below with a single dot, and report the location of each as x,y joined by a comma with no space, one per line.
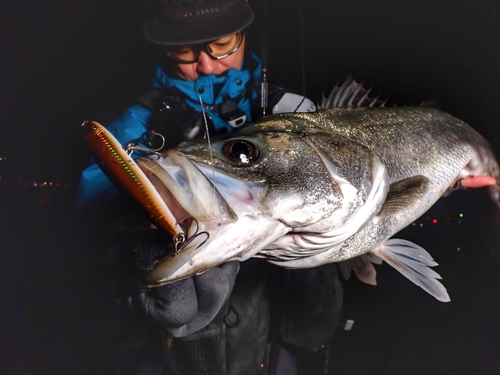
67,61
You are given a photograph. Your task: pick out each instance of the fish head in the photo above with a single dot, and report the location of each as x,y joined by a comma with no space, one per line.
268,172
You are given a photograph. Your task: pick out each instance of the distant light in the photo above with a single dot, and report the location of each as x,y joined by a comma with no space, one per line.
461,215
34,184
434,221
50,183
45,183
458,249
348,325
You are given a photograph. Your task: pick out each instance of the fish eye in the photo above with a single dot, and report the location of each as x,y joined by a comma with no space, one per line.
240,151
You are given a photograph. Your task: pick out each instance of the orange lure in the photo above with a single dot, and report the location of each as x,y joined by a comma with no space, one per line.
122,169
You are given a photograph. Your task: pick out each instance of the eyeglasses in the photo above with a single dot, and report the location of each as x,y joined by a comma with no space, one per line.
217,49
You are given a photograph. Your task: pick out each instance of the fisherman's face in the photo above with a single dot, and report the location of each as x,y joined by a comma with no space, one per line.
207,65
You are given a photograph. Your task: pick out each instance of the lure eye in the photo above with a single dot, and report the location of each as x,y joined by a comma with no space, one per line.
240,151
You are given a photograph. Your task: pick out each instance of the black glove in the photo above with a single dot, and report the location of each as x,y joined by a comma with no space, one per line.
185,306
189,305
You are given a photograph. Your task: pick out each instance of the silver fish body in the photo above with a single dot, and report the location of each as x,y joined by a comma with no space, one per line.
305,189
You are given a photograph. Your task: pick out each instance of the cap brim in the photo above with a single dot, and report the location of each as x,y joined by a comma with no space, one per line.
157,30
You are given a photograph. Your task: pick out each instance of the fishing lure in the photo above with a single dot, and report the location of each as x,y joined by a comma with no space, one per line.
123,171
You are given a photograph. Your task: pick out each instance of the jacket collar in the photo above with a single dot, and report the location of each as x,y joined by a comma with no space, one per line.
212,88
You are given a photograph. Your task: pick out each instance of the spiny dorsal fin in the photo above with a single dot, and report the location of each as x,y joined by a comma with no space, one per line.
350,94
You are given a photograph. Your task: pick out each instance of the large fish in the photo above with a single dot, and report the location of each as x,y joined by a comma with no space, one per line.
301,190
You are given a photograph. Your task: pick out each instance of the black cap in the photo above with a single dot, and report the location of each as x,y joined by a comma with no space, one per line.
175,22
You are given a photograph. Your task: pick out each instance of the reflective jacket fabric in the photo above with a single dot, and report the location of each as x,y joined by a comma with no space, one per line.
95,187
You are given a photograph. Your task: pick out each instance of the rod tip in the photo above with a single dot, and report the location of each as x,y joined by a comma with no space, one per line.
86,123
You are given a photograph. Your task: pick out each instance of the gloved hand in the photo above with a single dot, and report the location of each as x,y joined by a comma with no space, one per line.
188,305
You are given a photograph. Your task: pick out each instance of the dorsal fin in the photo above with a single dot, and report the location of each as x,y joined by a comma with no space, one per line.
350,94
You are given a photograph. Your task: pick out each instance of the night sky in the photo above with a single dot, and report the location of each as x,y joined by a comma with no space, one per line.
64,62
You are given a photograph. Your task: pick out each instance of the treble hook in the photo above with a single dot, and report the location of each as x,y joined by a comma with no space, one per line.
180,241
134,146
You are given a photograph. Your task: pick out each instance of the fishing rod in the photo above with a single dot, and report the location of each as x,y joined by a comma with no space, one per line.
264,89
302,46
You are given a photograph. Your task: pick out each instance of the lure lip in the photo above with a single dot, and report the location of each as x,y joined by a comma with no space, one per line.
123,171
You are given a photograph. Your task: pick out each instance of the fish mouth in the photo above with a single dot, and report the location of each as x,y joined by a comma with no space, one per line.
196,204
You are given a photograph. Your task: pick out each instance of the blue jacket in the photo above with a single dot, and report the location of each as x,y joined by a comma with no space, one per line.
95,187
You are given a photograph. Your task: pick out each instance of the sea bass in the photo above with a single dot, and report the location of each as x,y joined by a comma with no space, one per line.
301,190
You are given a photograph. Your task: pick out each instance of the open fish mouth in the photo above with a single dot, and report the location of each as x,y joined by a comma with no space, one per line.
193,200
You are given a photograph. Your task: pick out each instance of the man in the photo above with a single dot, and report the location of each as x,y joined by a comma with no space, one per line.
208,81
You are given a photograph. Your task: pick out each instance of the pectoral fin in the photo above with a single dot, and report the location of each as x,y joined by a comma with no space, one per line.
403,194
414,263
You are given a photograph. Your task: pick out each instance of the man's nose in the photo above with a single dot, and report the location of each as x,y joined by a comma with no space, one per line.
206,65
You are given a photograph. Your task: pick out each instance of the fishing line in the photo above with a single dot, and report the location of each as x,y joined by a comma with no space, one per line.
207,132
302,53
302,47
